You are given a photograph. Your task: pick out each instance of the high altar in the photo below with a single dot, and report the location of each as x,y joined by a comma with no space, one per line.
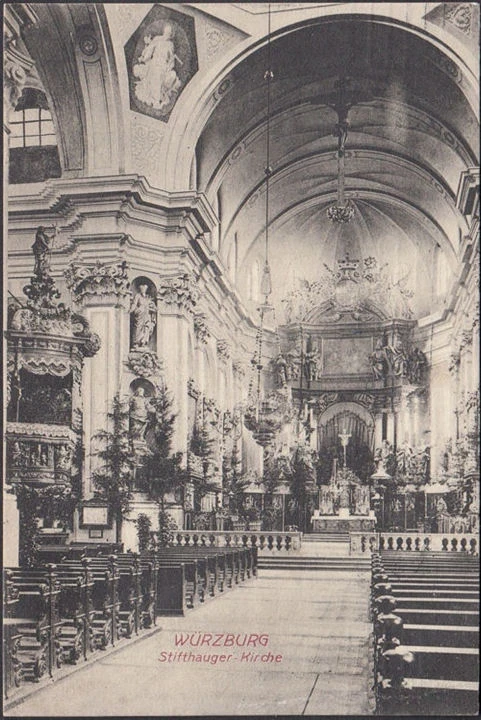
344,505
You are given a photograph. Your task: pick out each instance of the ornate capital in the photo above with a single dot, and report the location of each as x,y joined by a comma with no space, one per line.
101,280
201,330
223,350
145,363
179,291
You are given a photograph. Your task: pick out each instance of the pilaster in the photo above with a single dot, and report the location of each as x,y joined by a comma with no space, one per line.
101,290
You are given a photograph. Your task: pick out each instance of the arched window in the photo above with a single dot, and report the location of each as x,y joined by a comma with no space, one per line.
33,143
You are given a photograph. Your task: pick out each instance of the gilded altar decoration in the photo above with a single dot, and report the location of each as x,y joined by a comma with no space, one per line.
181,291
99,279
161,59
358,289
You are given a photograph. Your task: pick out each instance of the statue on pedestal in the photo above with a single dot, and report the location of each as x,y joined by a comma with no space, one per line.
139,412
378,361
143,312
42,248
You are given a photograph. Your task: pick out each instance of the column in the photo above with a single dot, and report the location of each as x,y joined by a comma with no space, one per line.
101,292
177,298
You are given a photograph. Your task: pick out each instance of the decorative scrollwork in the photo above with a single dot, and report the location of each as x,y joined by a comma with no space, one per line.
145,363
201,330
180,291
98,279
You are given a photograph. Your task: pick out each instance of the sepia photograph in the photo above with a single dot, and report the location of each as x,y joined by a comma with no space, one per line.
241,359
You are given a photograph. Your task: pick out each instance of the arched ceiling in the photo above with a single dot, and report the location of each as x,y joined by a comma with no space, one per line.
412,133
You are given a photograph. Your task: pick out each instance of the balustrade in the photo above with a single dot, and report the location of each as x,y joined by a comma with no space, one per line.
268,540
361,543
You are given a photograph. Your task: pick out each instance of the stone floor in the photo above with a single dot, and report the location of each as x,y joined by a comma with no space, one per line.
316,620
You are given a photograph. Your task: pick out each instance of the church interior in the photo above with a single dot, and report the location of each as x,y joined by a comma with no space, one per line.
241,352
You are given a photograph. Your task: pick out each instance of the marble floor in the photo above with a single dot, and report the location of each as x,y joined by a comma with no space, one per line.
308,629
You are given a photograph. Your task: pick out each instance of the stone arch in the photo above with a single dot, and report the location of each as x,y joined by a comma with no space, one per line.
359,424
72,50
198,101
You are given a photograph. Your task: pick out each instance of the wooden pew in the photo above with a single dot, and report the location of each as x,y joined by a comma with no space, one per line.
434,653
39,649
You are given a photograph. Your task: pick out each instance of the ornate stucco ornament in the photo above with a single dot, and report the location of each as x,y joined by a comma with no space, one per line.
99,279
201,330
223,350
180,291
145,363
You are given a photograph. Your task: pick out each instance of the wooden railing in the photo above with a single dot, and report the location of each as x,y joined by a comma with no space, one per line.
268,540
360,543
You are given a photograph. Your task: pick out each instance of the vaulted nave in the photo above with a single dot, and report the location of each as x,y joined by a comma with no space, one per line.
241,352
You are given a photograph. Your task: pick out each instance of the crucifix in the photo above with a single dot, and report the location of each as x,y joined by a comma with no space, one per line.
344,438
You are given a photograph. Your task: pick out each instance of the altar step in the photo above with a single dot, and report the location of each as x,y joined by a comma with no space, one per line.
325,537
313,563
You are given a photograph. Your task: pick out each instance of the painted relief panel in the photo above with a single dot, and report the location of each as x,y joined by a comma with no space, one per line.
346,356
161,59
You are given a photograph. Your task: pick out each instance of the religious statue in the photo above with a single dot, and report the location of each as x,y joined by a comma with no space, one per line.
441,507
144,316
398,358
42,248
311,360
416,366
63,457
344,495
139,411
157,81
378,361
292,365
281,370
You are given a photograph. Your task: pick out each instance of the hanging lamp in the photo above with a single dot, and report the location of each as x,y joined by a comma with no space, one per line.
265,416
343,210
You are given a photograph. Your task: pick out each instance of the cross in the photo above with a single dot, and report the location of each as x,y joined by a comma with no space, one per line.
344,438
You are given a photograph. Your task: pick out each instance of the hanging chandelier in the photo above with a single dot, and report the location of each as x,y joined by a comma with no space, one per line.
343,210
265,415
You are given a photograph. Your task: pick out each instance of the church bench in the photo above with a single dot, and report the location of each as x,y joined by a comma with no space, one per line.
437,603
427,696
208,566
171,589
37,621
426,633
444,663
74,607
443,635
129,591
439,617
147,585
195,578
401,591
105,622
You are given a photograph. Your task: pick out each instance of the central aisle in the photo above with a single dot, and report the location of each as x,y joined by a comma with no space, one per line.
317,620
